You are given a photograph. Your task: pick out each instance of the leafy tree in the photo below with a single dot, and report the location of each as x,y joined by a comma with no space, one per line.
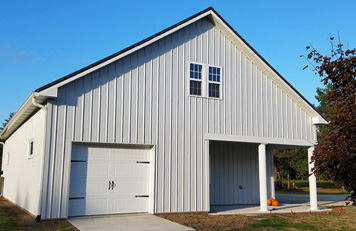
335,154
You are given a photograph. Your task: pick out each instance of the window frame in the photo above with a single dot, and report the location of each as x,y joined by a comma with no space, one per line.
201,80
204,81
214,82
30,149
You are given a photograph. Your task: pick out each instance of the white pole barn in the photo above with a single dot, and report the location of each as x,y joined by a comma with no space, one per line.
181,121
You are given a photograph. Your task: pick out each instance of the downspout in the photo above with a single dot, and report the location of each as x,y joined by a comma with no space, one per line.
42,107
2,167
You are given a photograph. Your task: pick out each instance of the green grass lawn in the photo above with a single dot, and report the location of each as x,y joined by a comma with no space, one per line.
305,183
9,225
304,221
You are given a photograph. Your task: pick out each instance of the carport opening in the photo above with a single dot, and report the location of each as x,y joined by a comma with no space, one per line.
234,175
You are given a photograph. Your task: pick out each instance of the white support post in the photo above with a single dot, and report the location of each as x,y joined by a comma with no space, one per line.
312,182
263,177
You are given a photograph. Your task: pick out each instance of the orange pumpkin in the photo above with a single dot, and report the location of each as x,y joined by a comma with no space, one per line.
275,203
269,202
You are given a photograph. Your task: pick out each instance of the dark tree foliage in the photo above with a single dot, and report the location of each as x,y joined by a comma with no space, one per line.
335,153
1,128
6,121
291,164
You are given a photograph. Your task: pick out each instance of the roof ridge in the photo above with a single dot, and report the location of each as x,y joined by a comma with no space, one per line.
122,51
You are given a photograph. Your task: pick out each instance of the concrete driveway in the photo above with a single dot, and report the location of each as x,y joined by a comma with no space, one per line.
142,222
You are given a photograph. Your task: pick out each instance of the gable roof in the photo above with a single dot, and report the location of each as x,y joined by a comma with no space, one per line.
50,90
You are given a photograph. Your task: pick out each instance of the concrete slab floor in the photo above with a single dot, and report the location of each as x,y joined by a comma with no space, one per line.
142,222
298,203
254,209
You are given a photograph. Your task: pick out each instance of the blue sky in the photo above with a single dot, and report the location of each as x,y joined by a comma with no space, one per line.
41,41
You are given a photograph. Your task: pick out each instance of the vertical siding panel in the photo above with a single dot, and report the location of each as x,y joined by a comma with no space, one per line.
193,150
269,107
254,106
135,92
80,93
198,154
148,96
180,121
187,153
126,113
111,105
103,104
141,94
233,90
87,105
240,93
261,117
161,128
227,83
119,73
53,160
58,157
167,124
94,126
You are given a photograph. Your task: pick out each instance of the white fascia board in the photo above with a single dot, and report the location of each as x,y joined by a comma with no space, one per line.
258,140
51,92
23,108
136,48
319,120
286,87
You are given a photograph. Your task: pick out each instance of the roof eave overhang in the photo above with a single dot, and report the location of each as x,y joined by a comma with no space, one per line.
26,110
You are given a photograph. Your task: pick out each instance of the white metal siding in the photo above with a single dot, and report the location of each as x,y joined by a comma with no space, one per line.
22,174
233,165
143,99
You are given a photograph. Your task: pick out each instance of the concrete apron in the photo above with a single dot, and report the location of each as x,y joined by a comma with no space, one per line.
298,203
254,209
142,222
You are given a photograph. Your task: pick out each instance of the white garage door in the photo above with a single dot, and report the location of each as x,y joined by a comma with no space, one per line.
107,180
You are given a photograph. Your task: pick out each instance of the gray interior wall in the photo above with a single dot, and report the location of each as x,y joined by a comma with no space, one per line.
143,99
233,165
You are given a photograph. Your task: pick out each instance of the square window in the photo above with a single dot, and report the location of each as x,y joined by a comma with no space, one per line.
195,87
214,90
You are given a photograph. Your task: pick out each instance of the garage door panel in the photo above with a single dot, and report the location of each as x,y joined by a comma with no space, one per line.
133,205
90,180
98,170
138,187
96,206
97,187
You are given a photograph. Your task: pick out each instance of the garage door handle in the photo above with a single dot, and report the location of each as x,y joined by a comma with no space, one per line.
113,185
109,184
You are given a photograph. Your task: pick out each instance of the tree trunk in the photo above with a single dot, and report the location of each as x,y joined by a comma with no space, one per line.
288,180
275,176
